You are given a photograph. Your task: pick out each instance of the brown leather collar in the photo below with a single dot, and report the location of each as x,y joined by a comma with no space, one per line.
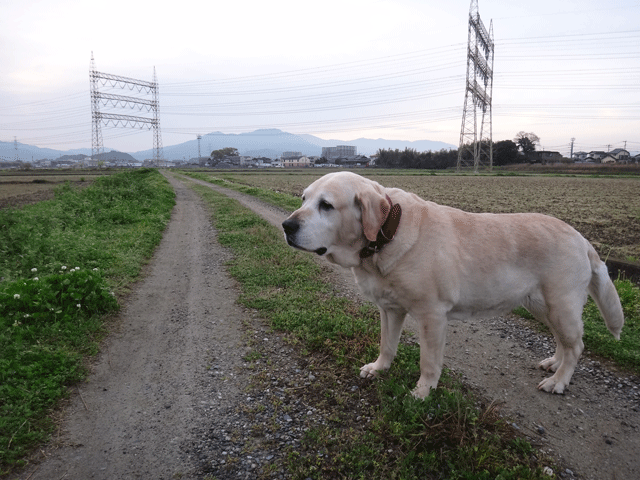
387,231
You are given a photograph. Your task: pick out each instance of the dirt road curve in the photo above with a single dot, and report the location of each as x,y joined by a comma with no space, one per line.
149,399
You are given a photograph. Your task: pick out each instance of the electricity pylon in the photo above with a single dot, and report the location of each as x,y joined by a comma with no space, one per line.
477,150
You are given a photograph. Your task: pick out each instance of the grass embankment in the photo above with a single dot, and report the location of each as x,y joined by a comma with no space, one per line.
449,435
60,262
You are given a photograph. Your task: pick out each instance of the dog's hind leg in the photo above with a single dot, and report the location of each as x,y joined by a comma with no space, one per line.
536,305
391,321
566,324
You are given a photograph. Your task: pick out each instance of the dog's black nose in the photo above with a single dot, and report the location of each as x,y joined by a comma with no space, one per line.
290,226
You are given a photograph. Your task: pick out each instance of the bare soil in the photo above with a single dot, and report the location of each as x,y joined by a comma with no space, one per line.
172,395
18,193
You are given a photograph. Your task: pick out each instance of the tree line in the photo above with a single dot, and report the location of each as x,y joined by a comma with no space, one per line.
504,153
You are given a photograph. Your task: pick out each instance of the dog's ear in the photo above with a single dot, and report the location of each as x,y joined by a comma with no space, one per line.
375,209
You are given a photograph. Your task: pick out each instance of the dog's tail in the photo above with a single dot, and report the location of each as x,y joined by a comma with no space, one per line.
604,293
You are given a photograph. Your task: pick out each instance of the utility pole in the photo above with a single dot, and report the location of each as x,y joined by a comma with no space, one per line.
199,137
15,146
572,141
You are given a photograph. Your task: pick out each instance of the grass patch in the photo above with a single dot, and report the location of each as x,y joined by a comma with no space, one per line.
450,435
60,262
274,197
597,338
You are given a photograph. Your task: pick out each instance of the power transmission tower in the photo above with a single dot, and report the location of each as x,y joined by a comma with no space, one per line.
477,150
100,98
96,131
157,138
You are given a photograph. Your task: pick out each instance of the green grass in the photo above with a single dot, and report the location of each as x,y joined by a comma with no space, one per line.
61,262
282,200
450,435
597,338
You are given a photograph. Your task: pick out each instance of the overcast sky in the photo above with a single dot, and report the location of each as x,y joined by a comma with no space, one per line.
335,69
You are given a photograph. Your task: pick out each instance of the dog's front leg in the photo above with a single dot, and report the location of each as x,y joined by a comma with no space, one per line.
432,329
391,321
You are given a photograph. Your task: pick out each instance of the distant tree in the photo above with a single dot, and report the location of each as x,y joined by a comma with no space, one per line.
224,152
505,152
527,142
410,158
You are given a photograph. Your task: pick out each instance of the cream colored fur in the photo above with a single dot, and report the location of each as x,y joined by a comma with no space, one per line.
445,263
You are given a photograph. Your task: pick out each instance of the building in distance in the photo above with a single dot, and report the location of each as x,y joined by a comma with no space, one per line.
340,151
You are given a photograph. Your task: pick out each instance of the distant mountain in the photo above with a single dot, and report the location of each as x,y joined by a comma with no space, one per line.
272,142
260,143
115,156
27,153
367,146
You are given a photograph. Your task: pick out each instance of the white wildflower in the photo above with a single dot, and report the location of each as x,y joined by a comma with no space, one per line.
95,269
35,278
63,267
78,305
34,270
17,296
17,323
26,315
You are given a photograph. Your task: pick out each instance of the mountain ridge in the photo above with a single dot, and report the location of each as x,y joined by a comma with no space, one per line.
262,142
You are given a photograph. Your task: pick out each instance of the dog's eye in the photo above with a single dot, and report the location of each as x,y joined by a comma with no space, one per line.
324,205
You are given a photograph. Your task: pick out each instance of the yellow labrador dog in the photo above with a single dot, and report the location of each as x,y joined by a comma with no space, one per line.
438,263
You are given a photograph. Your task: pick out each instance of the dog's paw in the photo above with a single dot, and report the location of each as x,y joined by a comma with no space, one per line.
422,390
370,370
552,385
549,364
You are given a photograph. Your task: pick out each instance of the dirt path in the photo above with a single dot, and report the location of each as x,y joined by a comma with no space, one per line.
167,397
147,391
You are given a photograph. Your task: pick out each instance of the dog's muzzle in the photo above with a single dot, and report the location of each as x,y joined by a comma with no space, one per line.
291,227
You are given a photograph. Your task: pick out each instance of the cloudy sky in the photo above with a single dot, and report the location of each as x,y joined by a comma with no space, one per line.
335,69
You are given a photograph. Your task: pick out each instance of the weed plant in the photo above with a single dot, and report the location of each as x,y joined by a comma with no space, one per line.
449,435
60,262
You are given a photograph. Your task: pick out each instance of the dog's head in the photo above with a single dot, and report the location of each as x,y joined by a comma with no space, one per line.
340,212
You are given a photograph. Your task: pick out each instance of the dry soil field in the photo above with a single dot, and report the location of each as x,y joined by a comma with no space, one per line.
605,210
22,188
